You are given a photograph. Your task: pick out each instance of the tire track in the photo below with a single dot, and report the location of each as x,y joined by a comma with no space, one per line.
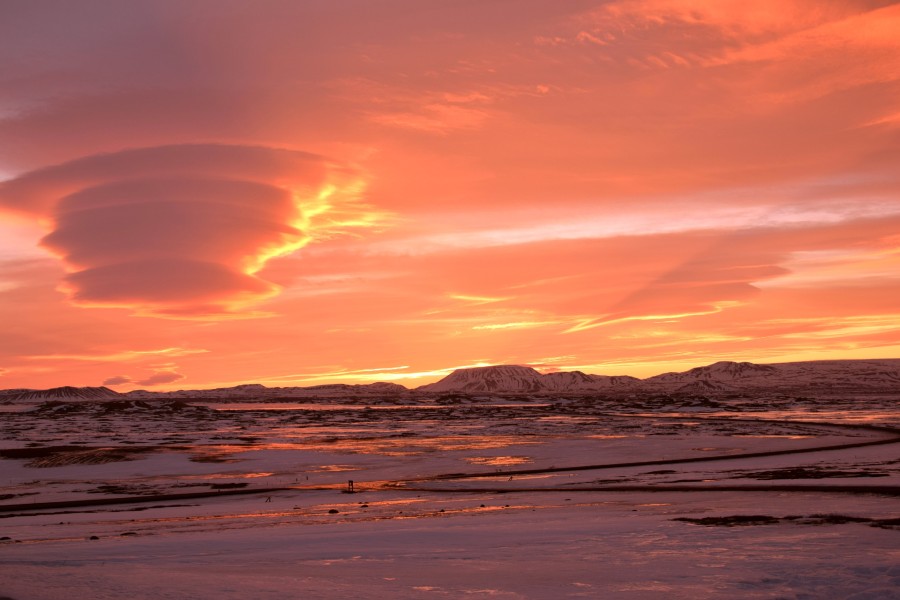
403,484
892,431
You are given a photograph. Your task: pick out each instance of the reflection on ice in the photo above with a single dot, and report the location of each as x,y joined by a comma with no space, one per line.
314,452
498,460
522,480
334,469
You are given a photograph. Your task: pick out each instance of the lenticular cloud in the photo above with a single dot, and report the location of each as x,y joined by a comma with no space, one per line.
178,230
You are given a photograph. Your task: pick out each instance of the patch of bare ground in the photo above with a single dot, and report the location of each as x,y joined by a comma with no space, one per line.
60,456
98,456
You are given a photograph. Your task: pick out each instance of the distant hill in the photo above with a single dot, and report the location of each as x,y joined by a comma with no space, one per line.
836,375
255,391
724,376
251,391
62,393
717,378
502,378
513,378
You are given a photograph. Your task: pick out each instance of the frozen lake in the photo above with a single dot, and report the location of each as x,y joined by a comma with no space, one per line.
557,499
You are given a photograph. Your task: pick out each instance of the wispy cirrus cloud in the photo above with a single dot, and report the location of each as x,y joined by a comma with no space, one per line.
123,356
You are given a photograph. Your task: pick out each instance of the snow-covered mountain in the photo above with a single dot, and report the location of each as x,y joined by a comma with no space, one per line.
514,378
7,394
574,381
837,375
62,393
255,391
501,378
724,371
379,388
720,377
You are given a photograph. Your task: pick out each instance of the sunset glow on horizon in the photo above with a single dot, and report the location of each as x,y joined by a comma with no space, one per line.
207,193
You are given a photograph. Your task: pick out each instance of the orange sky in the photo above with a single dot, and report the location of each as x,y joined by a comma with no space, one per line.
207,193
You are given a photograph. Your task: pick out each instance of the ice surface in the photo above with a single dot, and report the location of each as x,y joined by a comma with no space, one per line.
573,498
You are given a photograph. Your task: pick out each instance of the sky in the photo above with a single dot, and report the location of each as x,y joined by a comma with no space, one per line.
203,193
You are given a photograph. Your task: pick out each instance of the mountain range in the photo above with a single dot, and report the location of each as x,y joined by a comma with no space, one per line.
717,378
724,376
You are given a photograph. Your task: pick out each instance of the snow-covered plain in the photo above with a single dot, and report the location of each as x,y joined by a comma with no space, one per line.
455,497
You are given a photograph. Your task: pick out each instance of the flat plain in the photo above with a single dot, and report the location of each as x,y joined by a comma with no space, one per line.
453,495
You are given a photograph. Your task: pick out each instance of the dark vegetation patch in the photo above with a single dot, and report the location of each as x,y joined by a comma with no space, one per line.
121,490
38,451
213,457
808,473
58,456
887,524
11,496
731,521
114,510
94,456
827,519
815,519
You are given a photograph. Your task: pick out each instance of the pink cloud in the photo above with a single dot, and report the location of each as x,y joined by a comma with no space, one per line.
160,378
177,229
666,180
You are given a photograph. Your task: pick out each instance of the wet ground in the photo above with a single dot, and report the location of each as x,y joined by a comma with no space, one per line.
63,455
577,489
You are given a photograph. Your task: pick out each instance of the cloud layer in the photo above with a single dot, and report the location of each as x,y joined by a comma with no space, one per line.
620,186
176,230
